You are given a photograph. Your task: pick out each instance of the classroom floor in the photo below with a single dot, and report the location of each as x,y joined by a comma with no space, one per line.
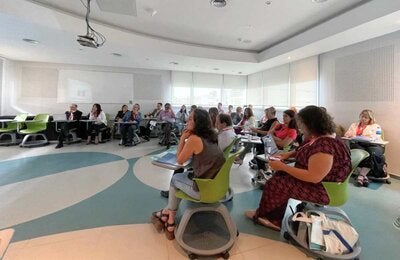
94,202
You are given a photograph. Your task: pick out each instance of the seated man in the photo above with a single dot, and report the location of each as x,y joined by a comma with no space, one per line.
127,130
155,112
167,117
73,114
226,134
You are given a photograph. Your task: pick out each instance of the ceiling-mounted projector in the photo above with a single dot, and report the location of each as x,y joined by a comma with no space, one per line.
92,38
87,41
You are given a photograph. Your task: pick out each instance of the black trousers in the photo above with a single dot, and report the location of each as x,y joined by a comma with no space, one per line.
372,149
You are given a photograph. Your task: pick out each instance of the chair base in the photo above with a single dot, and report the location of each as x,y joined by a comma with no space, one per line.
74,139
206,229
12,141
34,142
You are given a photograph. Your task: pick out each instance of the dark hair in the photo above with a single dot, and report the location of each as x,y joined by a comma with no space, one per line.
98,109
225,118
202,125
317,120
213,111
122,108
159,103
193,107
292,124
250,111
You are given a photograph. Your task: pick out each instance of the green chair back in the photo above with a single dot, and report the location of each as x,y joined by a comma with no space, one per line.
228,149
213,190
39,124
12,126
338,191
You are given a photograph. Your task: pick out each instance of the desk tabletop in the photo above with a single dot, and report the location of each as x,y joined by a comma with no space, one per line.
7,120
381,142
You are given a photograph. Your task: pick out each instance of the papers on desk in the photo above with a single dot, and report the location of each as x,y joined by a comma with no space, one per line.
169,158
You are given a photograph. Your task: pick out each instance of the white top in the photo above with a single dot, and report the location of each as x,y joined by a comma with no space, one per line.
369,131
100,119
225,137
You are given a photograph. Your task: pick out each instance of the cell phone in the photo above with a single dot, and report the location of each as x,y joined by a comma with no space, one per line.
274,158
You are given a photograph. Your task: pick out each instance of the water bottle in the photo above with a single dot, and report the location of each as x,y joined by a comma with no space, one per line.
267,146
378,134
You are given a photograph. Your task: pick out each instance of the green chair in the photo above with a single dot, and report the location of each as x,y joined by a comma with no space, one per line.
33,130
11,130
338,191
228,149
206,228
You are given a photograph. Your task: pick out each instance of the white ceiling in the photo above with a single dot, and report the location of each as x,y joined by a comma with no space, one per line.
193,33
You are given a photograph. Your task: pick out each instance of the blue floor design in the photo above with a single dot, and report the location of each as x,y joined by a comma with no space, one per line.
27,168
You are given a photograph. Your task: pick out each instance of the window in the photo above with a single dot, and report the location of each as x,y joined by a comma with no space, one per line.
234,90
276,86
181,87
303,82
207,89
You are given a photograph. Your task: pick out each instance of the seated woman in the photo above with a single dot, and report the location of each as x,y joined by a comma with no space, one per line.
100,121
248,121
269,124
199,142
226,135
283,134
181,118
167,116
321,158
213,112
121,113
366,127
127,130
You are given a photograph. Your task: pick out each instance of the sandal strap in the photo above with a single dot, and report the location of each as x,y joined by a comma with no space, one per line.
169,224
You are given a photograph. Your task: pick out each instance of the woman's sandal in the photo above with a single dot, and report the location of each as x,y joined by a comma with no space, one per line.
170,234
261,221
157,220
360,180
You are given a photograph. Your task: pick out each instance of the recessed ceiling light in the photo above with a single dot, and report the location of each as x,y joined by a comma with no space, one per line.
30,41
319,1
268,2
174,63
240,72
289,57
218,3
247,41
116,54
216,69
147,59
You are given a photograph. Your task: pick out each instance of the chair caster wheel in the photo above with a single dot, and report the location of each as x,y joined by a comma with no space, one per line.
388,181
225,255
287,236
192,256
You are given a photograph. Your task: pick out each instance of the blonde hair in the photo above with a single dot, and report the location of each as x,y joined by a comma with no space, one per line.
370,114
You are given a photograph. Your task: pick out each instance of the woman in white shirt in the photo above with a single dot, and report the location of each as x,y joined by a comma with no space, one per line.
100,121
366,127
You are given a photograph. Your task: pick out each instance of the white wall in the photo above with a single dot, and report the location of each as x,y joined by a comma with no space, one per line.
34,88
365,75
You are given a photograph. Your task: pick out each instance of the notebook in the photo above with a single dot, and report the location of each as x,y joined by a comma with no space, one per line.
169,157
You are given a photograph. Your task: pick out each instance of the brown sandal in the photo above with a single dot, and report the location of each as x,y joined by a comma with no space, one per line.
157,221
170,234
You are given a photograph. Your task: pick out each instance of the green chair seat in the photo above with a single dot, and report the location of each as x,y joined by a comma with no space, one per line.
338,191
12,125
213,190
38,124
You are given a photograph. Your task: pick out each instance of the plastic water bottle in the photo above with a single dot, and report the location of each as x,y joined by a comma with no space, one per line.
378,134
267,146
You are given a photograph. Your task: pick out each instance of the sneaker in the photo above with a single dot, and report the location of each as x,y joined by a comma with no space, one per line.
365,182
164,193
59,145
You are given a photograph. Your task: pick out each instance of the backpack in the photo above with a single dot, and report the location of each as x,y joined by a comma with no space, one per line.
378,166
